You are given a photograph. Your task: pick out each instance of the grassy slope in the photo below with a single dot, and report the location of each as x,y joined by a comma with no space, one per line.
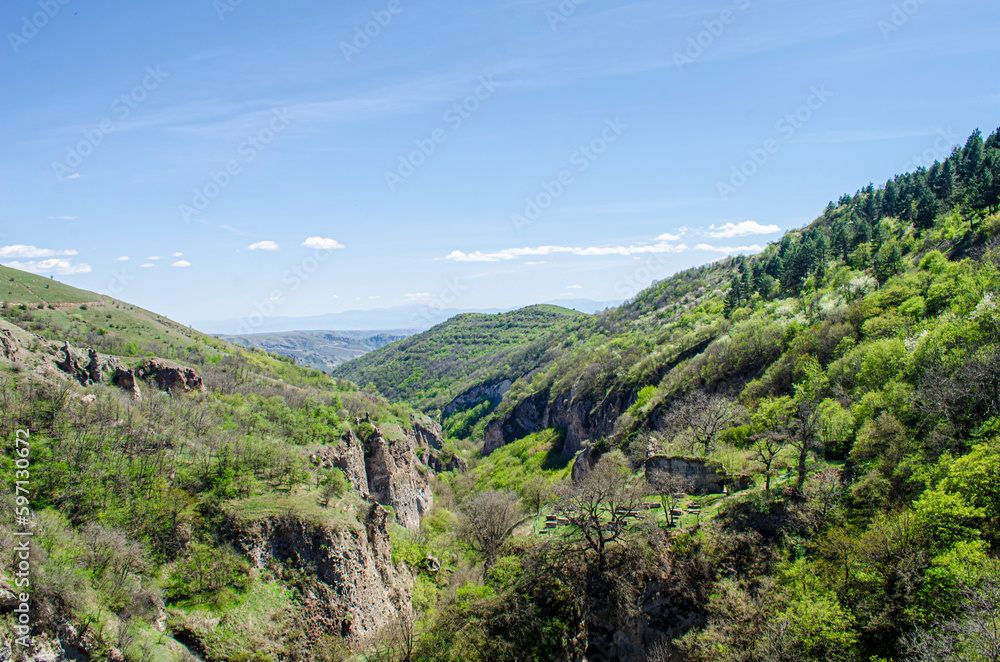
430,369
22,287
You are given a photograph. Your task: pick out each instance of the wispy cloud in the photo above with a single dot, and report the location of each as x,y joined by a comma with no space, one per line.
517,253
123,258
741,229
22,251
62,218
147,265
56,266
266,245
178,254
729,250
181,263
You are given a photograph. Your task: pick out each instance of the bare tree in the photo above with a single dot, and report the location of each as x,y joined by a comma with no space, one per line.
701,417
536,493
973,635
488,520
766,447
671,488
598,508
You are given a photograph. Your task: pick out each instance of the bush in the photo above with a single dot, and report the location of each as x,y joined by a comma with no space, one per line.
206,571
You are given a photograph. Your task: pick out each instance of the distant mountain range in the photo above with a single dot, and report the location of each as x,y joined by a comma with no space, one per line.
323,350
413,316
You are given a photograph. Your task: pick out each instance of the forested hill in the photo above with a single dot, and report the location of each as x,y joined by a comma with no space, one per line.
691,325
433,367
848,375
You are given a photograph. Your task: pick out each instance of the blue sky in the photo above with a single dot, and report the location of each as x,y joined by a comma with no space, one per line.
271,156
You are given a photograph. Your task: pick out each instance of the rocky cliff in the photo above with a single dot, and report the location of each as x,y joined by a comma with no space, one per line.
392,472
88,367
344,573
584,419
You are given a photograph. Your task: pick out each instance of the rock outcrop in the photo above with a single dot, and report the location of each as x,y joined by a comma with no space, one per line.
348,582
583,419
73,363
389,471
91,368
8,345
124,378
171,377
349,456
396,479
474,396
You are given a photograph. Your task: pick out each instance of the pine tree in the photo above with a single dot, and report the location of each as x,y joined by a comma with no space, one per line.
890,199
926,207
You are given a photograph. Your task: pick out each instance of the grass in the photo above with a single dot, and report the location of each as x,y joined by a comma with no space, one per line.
22,287
245,629
304,503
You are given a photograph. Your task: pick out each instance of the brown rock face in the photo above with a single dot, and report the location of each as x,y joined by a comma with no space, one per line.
125,379
349,456
396,479
350,586
171,377
73,364
8,345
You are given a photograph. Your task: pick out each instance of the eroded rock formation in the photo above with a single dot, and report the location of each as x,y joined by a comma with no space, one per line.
348,582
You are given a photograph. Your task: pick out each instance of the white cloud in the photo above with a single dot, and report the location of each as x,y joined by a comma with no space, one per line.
538,262
22,251
154,257
53,266
178,254
264,246
181,263
335,296
730,249
740,229
666,236
322,242
516,253
374,297
417,295
574,287
147,265
123,258
75,175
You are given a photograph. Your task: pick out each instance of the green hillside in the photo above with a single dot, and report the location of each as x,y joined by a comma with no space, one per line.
793,456
22,287
430,369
